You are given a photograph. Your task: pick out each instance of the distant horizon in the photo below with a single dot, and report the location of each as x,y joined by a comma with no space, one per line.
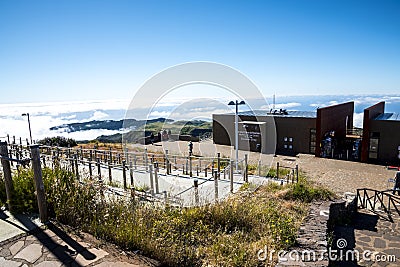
50,114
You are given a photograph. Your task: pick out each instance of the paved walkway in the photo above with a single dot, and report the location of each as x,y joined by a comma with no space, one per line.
52,245
370,233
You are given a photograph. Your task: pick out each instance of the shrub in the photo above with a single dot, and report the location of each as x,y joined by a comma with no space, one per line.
58,141
228,233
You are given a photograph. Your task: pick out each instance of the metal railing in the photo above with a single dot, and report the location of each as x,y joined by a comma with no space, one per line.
379,202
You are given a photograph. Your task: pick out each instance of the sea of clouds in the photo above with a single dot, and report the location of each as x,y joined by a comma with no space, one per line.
46,115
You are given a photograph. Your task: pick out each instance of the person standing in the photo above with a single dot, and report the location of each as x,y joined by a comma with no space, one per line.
190,145
396,187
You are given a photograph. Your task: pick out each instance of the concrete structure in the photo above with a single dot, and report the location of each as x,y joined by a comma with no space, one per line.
381,136
284,132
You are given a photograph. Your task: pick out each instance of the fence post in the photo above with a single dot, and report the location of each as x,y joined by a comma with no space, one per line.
231,175
190,165
98,168
90,164
124,173
151,179
259,168
76,166
219,164
277,170
246,178
165,198
7,174
109,172
131,172
216,186
297,173
146,164
37,172
156,176
196,192
167,161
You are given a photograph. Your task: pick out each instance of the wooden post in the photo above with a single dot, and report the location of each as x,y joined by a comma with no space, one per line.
197,170
231,175
277,170
76,166
151,179
109,172
165,198
156,177
124,173
98,168
246,178
190,164
259,168
292,176
196,192
131,172
216,186
132,193
146,164
167,161
7,174
297,173
39,186
90,164
219,164
205,171
187,166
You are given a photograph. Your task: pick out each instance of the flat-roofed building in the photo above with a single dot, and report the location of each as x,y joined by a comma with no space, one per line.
285,132
381,136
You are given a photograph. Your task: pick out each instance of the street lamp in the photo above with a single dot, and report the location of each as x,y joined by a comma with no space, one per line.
29,124
236,103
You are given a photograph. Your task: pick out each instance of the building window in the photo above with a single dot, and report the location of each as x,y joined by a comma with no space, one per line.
285,146
313,134
285,139
373,145
290,139
290,147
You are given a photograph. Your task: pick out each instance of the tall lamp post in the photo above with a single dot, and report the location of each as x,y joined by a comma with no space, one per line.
29,124
236,103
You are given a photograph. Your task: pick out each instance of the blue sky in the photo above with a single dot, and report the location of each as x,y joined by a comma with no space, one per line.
84,50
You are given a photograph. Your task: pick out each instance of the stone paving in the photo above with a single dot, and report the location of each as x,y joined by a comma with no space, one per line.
370,232
53,247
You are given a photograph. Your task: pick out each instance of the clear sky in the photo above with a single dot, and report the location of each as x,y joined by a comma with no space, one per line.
84,50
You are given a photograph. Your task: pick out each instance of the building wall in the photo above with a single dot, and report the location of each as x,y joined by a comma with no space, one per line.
299,129
369,114
333,118
388,141
277,128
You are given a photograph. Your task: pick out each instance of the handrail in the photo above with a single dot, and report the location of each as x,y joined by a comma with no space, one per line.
368,199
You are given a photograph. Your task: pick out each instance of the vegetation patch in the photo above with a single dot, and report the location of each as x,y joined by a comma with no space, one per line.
229,233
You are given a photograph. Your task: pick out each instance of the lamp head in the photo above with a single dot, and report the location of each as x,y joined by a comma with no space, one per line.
24,114
242,103
231,103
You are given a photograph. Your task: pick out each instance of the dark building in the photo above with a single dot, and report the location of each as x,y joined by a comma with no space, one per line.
381,136
287,132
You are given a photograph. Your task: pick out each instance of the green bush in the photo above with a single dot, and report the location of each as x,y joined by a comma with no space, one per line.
58,141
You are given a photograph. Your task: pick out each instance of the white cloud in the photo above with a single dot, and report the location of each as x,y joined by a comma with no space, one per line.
358,120
98,115
282,105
